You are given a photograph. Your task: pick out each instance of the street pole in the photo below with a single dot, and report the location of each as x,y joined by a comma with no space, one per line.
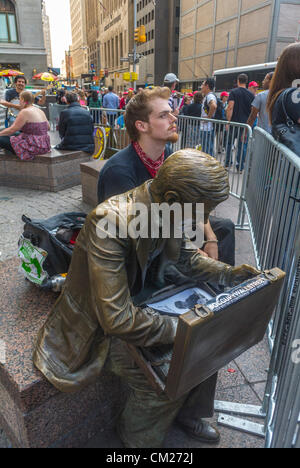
135,43
227,50
69,66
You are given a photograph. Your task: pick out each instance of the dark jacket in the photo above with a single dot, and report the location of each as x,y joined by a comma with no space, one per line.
194,110
123,172
76,129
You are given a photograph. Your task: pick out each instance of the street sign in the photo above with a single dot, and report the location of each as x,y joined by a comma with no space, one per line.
124,59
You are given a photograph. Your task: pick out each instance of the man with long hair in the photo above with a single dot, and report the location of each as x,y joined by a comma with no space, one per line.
287,75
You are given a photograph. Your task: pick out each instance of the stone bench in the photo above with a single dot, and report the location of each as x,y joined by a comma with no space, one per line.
51,172
89,181
32,412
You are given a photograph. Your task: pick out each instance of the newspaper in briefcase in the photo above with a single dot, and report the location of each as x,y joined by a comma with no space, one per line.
211,333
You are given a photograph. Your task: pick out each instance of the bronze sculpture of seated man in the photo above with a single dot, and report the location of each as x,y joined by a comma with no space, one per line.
95,316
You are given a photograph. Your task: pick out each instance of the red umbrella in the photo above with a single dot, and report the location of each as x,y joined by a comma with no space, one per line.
10,73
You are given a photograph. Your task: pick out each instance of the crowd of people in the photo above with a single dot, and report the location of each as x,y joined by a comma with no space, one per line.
244,104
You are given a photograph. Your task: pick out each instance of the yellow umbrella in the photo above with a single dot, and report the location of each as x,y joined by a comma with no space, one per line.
45,77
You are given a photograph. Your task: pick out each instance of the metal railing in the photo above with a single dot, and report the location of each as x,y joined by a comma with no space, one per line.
273,207
54,113
112,119
229,142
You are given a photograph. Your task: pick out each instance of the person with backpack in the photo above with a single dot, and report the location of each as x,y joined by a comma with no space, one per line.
209,110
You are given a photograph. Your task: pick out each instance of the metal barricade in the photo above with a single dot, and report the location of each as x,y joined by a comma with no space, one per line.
273,207
112,119
54,113
3,109
229,142
2,115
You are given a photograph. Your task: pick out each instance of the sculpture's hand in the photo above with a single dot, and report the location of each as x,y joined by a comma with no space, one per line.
242,273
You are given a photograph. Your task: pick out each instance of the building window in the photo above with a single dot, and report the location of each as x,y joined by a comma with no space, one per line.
8,26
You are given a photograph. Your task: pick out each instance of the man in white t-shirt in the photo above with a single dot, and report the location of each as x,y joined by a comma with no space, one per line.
259,106
209,107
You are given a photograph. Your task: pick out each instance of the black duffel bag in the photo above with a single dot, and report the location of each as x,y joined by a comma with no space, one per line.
46,246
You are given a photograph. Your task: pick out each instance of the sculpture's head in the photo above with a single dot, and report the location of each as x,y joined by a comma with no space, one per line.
191,176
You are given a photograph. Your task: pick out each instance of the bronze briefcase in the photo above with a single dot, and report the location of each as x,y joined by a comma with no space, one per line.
212,335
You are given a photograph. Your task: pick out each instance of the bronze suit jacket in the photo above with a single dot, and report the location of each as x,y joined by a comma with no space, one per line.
96,303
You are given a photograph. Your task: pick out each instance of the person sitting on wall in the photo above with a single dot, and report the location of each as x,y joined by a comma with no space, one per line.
33,125
76,127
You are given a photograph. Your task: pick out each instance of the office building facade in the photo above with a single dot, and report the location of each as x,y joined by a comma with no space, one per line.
116,39
47,35
22,37
160,51
78,50
217,34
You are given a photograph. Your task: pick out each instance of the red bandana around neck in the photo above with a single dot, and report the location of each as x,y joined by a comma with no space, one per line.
151,166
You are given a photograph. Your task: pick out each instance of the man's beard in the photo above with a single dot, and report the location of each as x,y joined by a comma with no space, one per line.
170,139
174,138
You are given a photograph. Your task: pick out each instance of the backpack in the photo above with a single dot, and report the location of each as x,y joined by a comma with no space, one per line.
220,112
46,246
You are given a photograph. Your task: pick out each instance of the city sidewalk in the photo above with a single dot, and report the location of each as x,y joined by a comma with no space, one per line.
242,381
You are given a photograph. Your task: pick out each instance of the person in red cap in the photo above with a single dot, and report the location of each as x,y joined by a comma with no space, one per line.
253,87
224,96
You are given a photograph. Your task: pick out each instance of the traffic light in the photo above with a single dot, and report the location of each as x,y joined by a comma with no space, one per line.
142,34
137,34
101,74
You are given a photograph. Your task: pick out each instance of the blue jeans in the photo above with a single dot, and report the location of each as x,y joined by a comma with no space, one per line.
207,142
5,144
242,148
